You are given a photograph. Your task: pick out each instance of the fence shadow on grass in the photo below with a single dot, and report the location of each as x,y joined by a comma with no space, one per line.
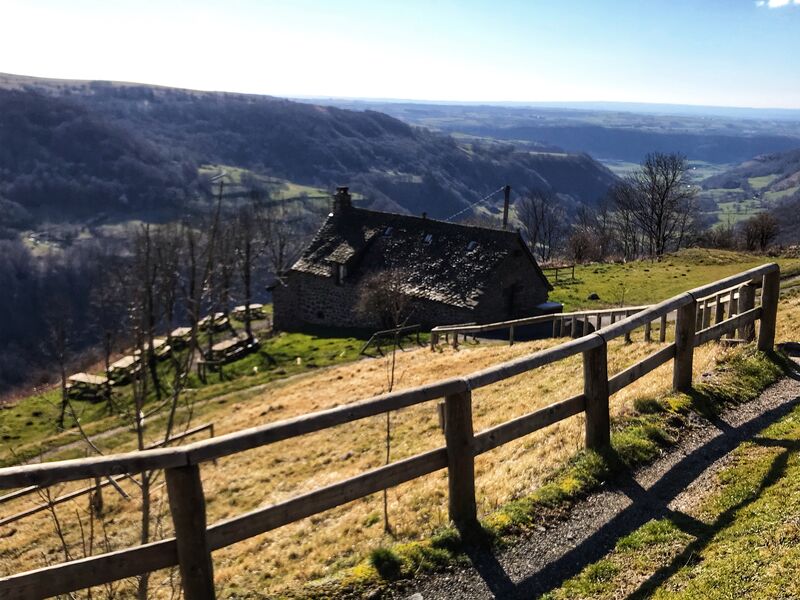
703,533
646,504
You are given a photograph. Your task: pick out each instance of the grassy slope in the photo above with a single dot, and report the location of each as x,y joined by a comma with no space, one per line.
739,542
323,545
28,427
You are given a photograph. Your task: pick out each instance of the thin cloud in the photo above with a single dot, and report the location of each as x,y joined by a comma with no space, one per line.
776,3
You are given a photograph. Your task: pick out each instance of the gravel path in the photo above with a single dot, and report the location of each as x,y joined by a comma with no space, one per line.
542,560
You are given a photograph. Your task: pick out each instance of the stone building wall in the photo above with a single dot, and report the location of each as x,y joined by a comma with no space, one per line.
307,299
530,292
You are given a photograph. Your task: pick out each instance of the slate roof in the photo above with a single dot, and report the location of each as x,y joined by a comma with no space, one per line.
454,266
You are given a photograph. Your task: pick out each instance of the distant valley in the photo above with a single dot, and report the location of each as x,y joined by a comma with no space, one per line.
109,152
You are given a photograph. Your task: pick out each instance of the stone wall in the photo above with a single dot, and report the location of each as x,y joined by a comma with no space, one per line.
307,299
530,292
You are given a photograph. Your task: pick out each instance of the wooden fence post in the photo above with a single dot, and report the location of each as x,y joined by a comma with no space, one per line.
511,336
770,293
187,504
662,332
460,461
733,310
647,335
706,314
719,311
595,388
628,339
685,323
747,300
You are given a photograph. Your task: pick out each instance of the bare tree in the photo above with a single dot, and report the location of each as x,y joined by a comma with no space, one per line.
383,298
59,327
284,234
660,199
759,231
543,222
249,247
624,223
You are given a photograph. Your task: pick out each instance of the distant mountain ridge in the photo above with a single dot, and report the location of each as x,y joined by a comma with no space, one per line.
72,148
612,131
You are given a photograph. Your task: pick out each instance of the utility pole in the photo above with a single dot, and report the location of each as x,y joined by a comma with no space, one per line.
507,194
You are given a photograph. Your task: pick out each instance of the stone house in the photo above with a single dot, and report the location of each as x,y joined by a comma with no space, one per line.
450,273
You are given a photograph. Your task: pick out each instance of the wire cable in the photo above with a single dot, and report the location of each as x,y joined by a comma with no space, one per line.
474,204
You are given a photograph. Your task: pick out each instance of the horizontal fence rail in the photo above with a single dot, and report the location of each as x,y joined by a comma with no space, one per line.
564,324
706,313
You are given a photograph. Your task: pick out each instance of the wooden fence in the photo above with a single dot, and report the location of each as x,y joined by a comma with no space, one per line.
194,541
568,268
564,324
98,484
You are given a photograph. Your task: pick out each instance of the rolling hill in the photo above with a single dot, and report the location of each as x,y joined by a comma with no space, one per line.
73,148
769,182
772,176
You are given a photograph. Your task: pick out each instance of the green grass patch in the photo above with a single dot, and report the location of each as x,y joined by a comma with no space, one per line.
742,541
646,282
758,183
28,427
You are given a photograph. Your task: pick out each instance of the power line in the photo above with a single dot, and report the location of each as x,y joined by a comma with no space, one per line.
484,199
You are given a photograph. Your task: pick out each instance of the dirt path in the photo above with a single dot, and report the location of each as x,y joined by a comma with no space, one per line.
544,559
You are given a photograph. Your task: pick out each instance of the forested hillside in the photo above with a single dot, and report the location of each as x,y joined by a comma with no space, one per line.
61,160
101,147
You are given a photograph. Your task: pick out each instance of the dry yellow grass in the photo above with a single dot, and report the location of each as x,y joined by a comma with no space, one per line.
317,546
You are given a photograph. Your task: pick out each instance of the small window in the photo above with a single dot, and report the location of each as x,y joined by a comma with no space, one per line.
388,231
472,245
428,238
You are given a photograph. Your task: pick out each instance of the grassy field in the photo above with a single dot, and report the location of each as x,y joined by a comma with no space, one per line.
643,282
321,546
337,541
758,183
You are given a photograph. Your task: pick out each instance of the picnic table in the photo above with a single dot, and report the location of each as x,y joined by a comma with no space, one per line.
120,371
180,336
161,348
256,312
225,352
87,387
217,321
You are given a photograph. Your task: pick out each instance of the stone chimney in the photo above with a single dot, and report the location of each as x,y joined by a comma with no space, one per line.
342,200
